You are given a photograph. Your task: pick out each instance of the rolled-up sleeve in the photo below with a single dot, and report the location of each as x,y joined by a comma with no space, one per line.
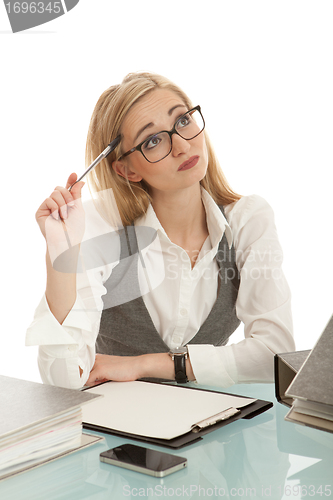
63,348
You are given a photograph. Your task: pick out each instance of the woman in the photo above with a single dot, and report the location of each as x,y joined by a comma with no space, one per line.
166,308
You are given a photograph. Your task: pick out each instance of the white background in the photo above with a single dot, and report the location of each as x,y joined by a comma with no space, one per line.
262,72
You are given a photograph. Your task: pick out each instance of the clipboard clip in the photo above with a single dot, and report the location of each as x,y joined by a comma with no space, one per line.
207,422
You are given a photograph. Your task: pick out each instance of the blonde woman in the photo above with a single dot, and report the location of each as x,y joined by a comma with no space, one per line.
164,308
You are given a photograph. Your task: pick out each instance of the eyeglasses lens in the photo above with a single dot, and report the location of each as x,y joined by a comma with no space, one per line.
159,146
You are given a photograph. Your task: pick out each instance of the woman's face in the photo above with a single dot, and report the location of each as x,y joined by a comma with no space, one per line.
159,111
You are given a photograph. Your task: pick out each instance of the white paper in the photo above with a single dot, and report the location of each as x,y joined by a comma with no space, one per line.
313,409
42,441
155,410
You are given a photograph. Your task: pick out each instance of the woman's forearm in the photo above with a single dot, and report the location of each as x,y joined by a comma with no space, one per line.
127,368
60,291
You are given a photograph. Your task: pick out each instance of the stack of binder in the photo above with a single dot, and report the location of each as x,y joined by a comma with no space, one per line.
310,391
38,423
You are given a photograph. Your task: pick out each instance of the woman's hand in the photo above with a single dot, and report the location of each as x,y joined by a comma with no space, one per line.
117,368
61,218
128,368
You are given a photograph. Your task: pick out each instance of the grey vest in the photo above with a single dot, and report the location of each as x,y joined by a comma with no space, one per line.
126,328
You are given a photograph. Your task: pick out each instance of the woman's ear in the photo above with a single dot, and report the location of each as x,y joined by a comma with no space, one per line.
123,170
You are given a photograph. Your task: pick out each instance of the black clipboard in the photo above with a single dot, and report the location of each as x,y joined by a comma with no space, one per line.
247,412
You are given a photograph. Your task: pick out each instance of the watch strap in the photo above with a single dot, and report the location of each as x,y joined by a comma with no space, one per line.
180,368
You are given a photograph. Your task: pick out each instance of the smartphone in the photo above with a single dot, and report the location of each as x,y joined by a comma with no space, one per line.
151,462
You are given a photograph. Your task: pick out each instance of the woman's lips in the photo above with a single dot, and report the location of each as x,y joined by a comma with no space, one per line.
191,162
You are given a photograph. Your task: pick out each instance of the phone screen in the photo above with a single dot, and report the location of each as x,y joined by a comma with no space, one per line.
144,460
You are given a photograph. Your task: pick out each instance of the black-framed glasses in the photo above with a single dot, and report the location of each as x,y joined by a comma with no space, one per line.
157,146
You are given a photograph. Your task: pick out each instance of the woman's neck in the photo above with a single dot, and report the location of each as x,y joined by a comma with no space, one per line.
183,216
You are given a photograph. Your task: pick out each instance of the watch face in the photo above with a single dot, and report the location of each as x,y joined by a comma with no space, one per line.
179,351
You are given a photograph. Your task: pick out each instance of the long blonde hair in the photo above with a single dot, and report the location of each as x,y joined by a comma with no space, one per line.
132,198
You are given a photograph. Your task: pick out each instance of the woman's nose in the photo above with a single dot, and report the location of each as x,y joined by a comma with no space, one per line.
179,145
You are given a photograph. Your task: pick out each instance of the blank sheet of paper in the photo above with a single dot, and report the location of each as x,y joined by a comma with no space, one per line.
155,410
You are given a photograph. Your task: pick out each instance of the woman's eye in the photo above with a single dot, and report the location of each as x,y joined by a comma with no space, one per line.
183,121
152,142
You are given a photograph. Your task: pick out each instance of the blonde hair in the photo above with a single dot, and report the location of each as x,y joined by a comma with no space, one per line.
132,198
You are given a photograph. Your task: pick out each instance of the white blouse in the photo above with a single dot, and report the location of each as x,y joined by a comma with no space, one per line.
179,299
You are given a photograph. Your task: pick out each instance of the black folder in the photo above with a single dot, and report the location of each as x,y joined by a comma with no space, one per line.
246,412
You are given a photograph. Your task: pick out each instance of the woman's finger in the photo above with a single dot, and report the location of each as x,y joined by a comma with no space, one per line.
67,196
49,206
58,196
71,179
94,378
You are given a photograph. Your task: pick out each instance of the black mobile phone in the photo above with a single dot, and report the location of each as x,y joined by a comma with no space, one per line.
151,462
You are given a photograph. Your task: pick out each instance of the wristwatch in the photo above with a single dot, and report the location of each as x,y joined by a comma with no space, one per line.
179,357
